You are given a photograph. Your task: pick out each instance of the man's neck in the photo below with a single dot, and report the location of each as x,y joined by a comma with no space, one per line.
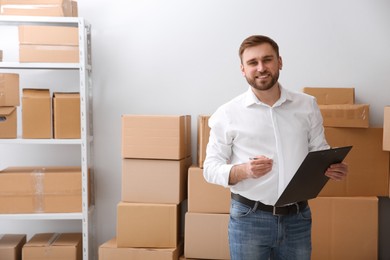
269,96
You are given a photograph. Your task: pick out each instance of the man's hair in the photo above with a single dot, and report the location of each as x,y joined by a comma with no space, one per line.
255,40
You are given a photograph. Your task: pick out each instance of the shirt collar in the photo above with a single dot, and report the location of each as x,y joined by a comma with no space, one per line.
251,99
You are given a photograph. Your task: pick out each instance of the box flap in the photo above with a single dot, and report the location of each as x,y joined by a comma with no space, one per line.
10,240
68,239
36,93
42,239
6,111
66,95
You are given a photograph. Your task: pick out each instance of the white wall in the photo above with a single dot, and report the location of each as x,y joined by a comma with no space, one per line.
180,57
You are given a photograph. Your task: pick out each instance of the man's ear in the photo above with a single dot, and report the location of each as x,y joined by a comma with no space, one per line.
280,63
242,70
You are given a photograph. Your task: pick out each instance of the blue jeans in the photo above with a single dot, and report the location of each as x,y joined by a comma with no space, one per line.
259,235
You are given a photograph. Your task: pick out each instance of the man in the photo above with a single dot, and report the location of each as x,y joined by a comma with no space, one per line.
257,142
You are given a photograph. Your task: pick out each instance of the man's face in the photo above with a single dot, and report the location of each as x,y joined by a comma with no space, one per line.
260,66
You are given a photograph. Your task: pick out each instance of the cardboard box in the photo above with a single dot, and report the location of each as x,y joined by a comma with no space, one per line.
386,129
49,246
203,138
206,236
156,137
345,115
8,127
49,35
147,225
204,197
9,89
155,181
40,190
48,53
36,7
344,228
332,96
36,113
75,9
66,115
110,251
368,164
11,246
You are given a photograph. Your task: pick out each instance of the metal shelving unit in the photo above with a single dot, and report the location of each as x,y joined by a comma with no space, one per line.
85,142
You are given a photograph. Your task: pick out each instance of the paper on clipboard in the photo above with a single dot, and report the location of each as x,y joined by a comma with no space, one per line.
309,179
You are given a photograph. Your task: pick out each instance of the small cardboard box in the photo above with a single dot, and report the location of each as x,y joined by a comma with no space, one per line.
332,96
8,127
48,53
203,138
345,115
166,180
386,129
49,246
49,35
148,225
36,113
11,246
66,115
110,251
368,164
36,7
206,236
156,137
344,228
40,190
204,197
9,89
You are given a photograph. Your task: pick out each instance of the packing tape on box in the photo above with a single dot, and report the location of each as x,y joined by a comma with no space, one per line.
38,176
53,239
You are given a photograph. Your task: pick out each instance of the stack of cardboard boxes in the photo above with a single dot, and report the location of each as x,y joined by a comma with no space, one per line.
39,7
156,155
9,100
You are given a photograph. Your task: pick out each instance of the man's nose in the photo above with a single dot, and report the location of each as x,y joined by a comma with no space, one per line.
260,67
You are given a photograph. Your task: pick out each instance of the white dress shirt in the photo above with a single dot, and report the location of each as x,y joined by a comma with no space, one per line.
245,127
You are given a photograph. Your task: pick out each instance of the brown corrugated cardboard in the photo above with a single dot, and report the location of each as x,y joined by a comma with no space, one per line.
203,138
156,137
345,115
75,9
206,236
49,35
11,246
110,251
147,225
9,89
36,113
332,96
368,164
66,115
386,129
204,197
155,181
8,127
50,246
344,228
40,189
48,53
36,7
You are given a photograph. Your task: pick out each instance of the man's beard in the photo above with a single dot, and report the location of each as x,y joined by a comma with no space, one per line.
263,86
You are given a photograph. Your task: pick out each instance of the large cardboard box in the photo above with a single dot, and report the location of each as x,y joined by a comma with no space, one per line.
49,35
356,115
36,113
8,126
66,115
11,246
40,189
204,197
203,138
386,129
156,137
155,181
148,225
36,7
9,89
48,53
110,251
344,228
206,236
332,96
368,164
50,246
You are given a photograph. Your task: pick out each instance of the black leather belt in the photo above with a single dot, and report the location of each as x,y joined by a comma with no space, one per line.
294,208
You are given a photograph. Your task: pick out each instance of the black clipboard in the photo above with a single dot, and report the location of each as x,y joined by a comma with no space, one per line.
309,179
